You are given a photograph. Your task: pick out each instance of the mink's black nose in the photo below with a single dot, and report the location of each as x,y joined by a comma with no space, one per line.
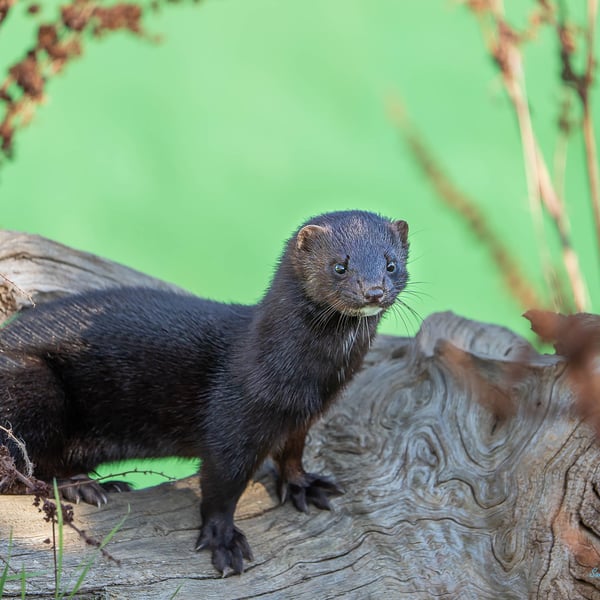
374,295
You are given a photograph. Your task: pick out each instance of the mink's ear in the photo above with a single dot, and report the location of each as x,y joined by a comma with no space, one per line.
307,236
401,228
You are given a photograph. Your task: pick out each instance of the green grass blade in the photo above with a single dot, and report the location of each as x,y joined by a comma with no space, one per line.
23,583
3,579
88,565
4,576
60,549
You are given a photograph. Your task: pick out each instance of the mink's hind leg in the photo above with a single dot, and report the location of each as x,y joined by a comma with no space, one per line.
32,407
295,483
218,533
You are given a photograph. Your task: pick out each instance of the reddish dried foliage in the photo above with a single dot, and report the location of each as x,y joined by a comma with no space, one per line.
83,13
4,8
505,43
479,6
121,16
76,17
48,41
577,338
13,481
28,77
491,382
7,469
57,43
580,82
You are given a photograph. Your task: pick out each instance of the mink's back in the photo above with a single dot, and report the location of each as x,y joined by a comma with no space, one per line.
133,365
126,322
120,314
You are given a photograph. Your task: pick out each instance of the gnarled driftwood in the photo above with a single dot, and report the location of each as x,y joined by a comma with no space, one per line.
443,497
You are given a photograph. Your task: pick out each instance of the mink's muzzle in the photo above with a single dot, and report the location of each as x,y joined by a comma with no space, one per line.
374,295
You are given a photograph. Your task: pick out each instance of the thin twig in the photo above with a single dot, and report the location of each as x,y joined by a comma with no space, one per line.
562,145
90,541
24,455
19,289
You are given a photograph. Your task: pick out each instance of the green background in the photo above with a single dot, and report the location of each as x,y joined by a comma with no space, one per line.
194,159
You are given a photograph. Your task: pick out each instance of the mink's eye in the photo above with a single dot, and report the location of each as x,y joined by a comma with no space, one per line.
391,266
340,268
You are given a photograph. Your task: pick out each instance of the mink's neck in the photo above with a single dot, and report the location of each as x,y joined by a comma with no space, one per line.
293,340
286,302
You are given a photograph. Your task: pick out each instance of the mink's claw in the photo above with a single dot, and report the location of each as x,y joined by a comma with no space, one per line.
309,489
229,549
82,488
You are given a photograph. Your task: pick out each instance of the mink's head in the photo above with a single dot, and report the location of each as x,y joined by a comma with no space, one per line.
352,261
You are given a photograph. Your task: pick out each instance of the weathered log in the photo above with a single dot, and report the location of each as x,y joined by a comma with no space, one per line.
443,497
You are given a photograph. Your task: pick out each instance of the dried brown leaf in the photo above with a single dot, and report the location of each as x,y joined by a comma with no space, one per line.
120,16
47,36
28,77
577,338
76,16
491,382
4,8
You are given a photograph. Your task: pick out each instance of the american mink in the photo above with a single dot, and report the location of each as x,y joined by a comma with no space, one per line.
135,372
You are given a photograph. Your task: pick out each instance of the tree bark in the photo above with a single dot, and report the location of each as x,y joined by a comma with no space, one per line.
447,494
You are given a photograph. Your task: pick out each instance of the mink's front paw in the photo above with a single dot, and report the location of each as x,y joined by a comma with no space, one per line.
309,489
227,544
81,488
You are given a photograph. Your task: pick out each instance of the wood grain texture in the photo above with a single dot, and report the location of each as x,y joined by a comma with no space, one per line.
444,497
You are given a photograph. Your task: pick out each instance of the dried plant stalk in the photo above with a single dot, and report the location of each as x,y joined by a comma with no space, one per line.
5,6
577,338
58,42
592,167
588,125
516,282
581,84
504,45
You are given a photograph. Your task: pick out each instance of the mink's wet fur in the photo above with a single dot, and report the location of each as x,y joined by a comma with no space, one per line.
135,372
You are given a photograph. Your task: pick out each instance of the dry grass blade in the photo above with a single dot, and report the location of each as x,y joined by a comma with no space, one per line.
582,85
588,125
515,280
504,46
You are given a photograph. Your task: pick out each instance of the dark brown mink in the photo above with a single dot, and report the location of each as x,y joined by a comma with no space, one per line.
134,372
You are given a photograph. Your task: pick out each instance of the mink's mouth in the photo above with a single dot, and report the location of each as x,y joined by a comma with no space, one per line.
355,305
370,311
364,311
